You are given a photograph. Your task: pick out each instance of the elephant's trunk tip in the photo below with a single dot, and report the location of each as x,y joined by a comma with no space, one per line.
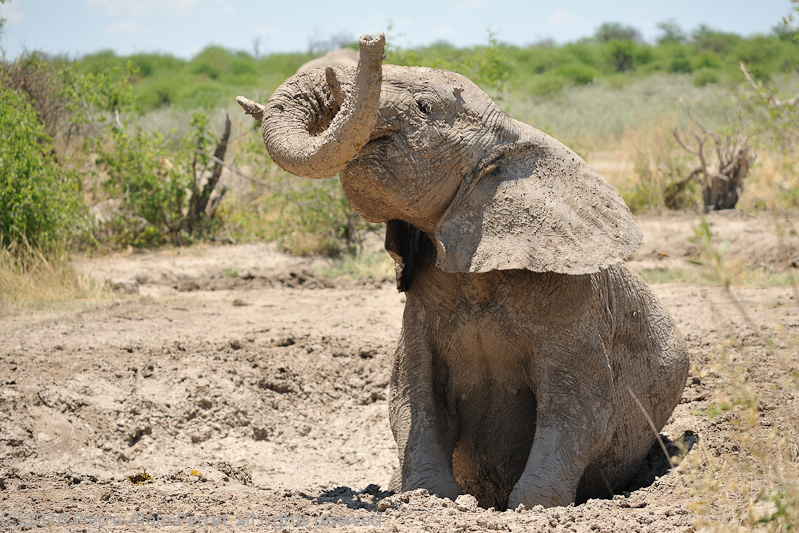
251,108
370,42
371,50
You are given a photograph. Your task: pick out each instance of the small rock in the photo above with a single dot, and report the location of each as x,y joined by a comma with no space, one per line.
124,287
367,352
371,488
285,341
382,505
466,502
188,286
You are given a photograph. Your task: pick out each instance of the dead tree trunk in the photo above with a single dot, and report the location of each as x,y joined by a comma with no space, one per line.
721,189
725,187
201,204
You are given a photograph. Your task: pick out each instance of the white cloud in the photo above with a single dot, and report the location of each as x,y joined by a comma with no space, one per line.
441,31
468,4
126,27
11,14
563,18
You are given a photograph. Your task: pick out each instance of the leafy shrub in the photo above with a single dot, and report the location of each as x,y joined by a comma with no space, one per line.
680,61
707,59
706,38
705,76
152,64
616,31
577,73
40,202
585,53
621,55
161,188
100,62
548,84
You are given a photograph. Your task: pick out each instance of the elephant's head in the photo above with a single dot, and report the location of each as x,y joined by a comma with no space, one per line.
429,148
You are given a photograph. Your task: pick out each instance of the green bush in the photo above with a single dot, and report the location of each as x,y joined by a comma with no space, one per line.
158,185
165,80
707,59
585,53
548,84
40,202
577,73
705,76
621,55
680,62
149,65
722,43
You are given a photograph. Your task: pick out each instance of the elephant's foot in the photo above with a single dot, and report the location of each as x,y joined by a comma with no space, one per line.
441,488
437,481
532,490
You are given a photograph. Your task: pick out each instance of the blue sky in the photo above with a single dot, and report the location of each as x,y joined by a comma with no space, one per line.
184,27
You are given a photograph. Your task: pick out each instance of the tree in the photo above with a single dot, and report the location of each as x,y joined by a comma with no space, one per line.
671,32
616,31
39,200
721,187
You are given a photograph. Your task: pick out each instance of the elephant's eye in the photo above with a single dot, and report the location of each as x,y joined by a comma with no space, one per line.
424,106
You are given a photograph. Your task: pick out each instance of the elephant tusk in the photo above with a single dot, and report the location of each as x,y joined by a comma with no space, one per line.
251,108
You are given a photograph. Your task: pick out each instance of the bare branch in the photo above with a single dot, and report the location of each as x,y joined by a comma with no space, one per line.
766,93
681,143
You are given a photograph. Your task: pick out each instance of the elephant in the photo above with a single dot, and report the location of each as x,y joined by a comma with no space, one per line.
533,367
343,57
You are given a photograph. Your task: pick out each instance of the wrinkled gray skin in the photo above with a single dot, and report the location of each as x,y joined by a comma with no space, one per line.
530,357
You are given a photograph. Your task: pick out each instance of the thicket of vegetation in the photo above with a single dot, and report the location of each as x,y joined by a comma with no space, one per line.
616,53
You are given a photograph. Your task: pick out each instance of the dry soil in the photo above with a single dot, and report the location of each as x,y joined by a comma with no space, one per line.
232,387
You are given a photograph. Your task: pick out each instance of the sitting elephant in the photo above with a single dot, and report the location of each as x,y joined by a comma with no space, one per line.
532,364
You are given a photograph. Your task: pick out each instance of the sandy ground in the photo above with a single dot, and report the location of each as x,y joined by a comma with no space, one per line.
231,387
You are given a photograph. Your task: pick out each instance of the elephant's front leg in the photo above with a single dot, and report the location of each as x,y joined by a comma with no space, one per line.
423,427
574,411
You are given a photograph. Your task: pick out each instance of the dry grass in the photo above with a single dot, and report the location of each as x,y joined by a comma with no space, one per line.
647,159
30,279
755,480
754,477
367,264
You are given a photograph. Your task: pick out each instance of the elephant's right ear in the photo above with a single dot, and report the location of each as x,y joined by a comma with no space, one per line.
402,244
535,205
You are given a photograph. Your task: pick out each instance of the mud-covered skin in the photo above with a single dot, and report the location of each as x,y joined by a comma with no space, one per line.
526,347
488,378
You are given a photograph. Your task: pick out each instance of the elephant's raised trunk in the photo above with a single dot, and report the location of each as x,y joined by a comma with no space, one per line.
290,121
